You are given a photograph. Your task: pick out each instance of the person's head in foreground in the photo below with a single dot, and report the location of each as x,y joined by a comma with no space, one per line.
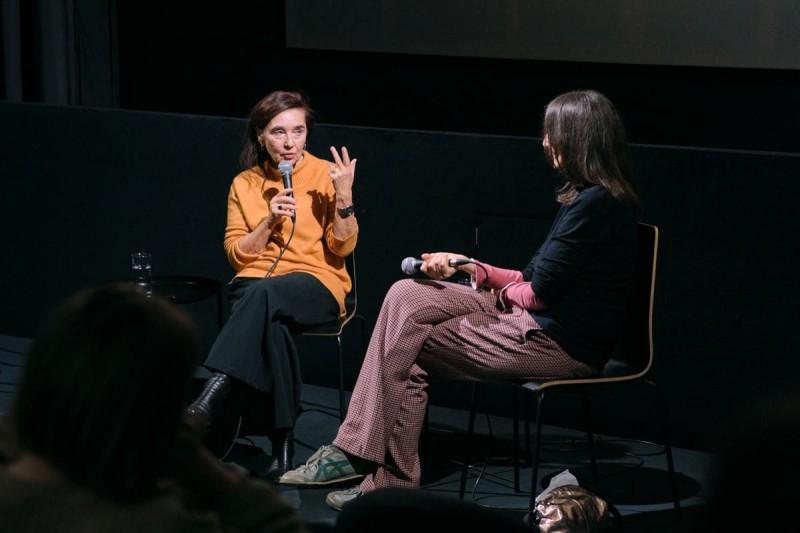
100,398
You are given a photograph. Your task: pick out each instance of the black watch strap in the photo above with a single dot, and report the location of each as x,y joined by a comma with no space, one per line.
345,212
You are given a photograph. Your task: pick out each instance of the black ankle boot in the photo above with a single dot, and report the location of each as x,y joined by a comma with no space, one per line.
202,411
282,454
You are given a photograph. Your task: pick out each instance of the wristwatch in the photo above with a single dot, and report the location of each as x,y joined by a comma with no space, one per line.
345,212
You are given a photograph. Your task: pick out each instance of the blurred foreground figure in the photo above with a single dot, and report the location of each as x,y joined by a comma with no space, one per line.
94,439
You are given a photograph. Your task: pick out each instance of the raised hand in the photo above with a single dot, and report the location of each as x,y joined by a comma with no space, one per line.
342,173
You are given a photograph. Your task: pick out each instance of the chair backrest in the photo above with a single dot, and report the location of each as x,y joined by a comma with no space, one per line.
351,299
633,355
634,352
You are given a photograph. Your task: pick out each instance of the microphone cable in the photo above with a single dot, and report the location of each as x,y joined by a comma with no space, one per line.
285,246
285,170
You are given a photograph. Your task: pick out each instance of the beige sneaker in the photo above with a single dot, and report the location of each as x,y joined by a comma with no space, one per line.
339,498
327,466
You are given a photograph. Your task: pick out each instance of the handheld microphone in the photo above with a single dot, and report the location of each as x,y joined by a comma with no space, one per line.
411,265
285,168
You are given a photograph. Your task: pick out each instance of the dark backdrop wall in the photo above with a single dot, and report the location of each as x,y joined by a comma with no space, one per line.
722,76
207,60
737,33
82,188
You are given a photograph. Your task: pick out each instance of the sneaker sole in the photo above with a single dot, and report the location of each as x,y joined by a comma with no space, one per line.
307,483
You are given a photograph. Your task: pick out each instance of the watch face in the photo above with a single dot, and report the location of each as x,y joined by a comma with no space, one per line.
347,211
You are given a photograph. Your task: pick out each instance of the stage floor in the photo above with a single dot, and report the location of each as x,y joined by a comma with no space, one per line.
632,474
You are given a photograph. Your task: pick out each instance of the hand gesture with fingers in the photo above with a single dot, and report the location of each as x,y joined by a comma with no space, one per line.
342,172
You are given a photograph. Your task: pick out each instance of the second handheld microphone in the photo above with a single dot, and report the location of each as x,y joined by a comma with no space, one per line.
411,265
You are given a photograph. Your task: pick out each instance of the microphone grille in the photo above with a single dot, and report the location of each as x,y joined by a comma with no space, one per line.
284,166
407,266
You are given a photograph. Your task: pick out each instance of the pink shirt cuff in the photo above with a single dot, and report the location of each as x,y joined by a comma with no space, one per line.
492,277
520,294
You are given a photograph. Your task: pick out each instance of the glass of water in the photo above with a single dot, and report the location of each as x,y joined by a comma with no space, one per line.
142,271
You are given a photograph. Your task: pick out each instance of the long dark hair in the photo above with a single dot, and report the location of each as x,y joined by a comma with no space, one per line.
586,132
261,114
103,389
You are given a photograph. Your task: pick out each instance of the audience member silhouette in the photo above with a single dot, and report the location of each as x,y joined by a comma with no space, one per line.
94,440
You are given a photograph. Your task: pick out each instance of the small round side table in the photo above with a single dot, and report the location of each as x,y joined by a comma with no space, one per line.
189,289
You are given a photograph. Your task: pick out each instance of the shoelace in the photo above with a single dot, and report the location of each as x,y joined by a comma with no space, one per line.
316,457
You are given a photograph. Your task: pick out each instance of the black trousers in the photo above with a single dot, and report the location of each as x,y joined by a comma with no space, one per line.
256,347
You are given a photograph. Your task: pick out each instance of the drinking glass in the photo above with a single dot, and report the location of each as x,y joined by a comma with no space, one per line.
142,271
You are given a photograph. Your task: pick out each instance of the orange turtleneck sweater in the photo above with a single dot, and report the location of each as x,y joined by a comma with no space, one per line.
313,249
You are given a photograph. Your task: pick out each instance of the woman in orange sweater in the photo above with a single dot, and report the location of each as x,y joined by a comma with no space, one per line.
290,225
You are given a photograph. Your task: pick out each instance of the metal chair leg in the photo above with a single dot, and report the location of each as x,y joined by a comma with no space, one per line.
342,409
537,446
587,410
470,436
662,416
515,443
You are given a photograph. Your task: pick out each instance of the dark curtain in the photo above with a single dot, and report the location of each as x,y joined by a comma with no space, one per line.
60,52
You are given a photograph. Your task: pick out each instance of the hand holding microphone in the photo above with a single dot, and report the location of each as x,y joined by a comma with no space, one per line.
439,265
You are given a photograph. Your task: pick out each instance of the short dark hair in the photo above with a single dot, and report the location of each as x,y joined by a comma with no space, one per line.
104,386
585,130
262,113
